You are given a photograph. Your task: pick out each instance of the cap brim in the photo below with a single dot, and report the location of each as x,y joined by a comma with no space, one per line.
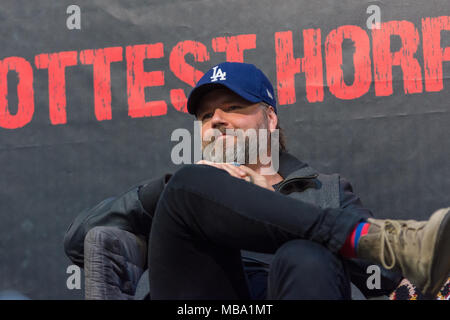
200,91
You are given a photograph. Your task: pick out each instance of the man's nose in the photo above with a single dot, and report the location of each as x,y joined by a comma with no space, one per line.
219,118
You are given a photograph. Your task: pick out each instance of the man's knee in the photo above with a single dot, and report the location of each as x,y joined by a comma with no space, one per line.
177,197
192,174
306,257
306,269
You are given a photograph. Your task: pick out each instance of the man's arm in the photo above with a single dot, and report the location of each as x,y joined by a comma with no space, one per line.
131,211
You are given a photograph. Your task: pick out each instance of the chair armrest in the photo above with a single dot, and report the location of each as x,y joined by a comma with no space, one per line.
114,260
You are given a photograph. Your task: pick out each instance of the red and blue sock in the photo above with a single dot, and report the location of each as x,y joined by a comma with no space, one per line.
348,250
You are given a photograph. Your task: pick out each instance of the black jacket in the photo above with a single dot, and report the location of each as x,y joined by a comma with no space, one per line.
133,211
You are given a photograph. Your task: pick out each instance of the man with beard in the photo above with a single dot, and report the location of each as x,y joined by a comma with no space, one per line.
230,228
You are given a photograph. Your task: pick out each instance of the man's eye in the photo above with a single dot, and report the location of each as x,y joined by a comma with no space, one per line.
206,116
234,108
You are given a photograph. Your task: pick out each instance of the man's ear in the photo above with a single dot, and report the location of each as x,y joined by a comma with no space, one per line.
272,118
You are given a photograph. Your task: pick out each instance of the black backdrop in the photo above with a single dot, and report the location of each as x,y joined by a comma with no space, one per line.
394,149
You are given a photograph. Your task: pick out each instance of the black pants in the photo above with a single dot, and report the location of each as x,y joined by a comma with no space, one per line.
203,219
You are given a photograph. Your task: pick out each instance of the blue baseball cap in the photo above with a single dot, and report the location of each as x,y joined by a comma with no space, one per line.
244,79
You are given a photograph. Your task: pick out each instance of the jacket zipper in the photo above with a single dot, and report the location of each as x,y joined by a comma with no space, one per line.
313,176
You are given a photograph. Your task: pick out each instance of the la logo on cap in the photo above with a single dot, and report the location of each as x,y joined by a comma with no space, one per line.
218,73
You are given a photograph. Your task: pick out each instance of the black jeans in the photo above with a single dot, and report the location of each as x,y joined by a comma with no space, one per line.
203,219
300,270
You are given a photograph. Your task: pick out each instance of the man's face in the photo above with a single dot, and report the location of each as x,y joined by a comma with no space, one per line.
222,109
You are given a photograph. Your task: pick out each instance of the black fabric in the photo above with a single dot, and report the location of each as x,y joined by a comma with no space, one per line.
305,270
389,280
114,262
204,218
125,212
301,269
133,211
149,193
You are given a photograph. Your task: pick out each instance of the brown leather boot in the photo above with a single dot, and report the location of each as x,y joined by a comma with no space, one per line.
420,250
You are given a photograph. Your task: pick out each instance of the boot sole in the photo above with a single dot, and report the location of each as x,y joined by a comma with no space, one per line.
440,267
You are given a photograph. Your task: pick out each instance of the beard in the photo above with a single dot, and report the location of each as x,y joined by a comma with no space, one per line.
236,145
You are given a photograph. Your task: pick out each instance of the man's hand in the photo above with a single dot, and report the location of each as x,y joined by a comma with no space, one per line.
241,172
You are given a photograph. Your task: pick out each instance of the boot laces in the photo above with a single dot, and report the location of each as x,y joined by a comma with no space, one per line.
388,227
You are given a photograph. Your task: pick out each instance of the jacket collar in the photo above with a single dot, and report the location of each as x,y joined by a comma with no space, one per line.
291,167
297,176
